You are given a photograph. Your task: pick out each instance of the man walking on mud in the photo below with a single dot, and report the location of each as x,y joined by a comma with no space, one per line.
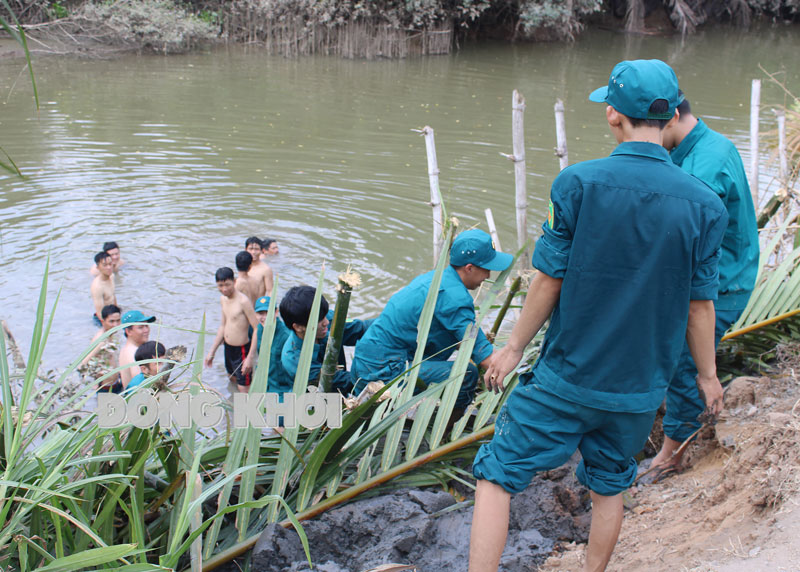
627,269
713,159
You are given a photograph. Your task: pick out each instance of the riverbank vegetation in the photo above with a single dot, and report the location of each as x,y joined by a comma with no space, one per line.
165,498
350,28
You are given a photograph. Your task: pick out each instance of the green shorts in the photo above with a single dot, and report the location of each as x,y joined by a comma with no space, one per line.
537,431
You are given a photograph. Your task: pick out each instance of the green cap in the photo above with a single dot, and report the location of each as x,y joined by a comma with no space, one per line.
133,316
262,304
476,247
635,85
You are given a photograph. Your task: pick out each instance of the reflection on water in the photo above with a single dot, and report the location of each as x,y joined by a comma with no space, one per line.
180,159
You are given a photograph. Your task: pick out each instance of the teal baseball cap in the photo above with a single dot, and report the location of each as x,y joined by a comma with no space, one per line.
476,247
133,316
635,84
262,304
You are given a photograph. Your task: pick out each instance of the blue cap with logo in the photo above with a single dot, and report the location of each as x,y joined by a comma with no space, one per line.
132,316
476,247
262,304
635,84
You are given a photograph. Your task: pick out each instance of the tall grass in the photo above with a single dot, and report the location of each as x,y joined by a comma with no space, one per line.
74,495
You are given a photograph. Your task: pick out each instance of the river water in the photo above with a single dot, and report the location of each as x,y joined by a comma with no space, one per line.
180,158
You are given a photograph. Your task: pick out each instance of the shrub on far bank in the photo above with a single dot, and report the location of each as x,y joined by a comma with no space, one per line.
158,25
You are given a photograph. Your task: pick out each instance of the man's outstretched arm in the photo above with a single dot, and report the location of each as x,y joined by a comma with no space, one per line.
542,297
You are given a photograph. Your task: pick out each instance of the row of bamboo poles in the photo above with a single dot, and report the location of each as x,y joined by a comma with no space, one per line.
766,213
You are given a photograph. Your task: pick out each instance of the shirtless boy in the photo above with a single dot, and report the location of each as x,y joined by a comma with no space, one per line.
259,269
251,286
102,288
112,248
237,317
103,358
135,336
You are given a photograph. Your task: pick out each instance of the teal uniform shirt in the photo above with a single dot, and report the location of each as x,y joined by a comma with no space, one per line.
290,356
135,382
278,380
714,160
634,239
392,340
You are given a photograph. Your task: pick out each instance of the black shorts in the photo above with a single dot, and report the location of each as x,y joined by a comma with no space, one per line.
115,387
234,359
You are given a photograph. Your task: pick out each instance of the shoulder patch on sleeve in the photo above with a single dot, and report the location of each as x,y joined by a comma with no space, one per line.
550,215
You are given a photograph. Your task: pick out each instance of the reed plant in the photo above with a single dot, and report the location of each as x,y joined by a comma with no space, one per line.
74,495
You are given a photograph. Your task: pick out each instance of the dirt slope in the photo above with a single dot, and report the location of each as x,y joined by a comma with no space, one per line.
736,507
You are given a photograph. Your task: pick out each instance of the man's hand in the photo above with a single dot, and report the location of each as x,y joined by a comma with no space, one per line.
247,366
502,363
209,360
711,393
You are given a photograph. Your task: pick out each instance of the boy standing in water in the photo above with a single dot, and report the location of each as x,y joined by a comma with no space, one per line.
627,272
249,285
238,317
103,358
259,270
102,288
112,249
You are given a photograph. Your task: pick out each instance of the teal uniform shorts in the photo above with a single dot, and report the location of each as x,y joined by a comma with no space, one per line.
684,404
538,431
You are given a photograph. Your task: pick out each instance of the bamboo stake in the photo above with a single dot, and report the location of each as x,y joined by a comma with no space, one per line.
504,308
492,229
330,364
496,240
436,196
352,492
518,138
755,103
561,136
784,163
782,193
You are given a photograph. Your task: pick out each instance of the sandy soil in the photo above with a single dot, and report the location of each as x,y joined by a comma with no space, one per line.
736,507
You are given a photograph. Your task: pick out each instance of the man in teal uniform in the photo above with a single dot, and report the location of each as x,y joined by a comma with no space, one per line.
627,270
278,380
389,346
295,311
713,159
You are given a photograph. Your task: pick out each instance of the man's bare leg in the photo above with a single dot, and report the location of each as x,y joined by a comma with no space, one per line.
489,527
665,456
604,531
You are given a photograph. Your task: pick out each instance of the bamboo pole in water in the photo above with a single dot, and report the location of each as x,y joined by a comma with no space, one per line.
518,157
493,229
561,136
436,196
782,193
783,161
755,104
330,363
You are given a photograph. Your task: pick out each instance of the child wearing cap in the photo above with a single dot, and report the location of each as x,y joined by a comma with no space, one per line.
296,312
390,344
278,380
136,332
627,271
